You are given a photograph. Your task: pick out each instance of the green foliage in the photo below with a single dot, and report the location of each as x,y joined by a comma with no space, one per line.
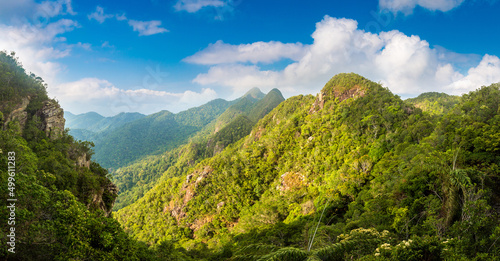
15,83
235,123
372,161
60,207
434,103
153,134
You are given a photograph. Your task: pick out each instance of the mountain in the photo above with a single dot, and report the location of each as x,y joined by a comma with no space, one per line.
434,102
83,121
232,125
153,134
58,202
353,173
94,122
92,126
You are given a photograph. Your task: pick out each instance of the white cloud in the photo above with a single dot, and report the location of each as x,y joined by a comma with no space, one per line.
147,27
99,15
487,72
219,53
106,99
407,6
193,6
143,27
21,11
121,17
406,64
39,46
55,8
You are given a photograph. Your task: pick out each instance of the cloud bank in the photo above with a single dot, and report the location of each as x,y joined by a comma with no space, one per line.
405,64
102,96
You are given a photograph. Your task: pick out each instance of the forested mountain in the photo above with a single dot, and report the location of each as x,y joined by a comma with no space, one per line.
434,103
232,125
57,201
154,134
92,124
353,173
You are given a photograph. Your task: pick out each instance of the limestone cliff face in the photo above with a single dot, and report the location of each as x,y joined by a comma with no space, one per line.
51,121
105,198
82,161
52,116
19,113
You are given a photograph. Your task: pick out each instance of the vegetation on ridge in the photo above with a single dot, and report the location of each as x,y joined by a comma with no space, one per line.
353,173
366,175
60,205
232,125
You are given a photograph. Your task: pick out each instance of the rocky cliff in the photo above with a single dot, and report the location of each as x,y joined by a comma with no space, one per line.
51,115
50,119
18,113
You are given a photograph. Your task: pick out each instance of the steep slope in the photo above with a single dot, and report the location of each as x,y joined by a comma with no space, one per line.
59,201
242,105
357,165
434,103
235,123
286,142
154,134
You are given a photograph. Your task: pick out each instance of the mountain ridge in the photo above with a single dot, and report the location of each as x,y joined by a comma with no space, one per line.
235,123
365,160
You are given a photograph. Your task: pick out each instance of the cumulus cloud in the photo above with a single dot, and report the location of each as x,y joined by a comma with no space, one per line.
221,52
147,27
406,64
407,6
193,6
28,10
487,72
106,99
38,47
99,15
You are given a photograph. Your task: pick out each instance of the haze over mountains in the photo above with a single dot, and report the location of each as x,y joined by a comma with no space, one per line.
126,137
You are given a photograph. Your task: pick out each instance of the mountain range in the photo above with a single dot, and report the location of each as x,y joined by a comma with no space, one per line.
352,173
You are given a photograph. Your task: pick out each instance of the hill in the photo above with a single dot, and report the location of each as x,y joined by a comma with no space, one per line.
434,102
59,201
153,134
354,172
232,125
94,122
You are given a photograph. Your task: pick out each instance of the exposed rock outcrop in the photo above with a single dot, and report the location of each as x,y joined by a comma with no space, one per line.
52,116
82,161
319,103
105,198
177,207
342,87
19,113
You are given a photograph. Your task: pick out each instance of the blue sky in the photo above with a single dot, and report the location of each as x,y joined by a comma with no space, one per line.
146,56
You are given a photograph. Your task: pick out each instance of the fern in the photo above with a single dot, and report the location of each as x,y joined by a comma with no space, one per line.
285,254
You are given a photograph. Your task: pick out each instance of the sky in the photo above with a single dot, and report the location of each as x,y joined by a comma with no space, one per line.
152,55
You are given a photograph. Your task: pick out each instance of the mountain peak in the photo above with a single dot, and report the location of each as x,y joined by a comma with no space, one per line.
342,86
255,93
